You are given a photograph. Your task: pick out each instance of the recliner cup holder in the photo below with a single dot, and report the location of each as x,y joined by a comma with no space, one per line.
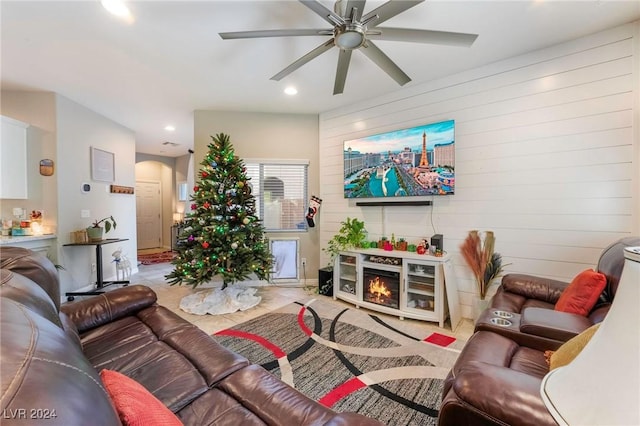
502,314
500,322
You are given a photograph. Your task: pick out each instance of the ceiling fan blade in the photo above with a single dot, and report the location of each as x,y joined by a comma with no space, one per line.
359,8
341,72
389,10
303,60
376,55
273,33
423,36
326,14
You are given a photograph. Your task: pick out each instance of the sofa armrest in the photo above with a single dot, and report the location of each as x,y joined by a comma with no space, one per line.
533,287
551,324
505,396
110,306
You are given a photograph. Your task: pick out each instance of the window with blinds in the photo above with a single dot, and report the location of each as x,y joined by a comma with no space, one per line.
280,190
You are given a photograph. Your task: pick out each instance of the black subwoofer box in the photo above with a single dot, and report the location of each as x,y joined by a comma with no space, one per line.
325,281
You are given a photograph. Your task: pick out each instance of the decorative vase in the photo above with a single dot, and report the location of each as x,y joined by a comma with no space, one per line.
479,306
401,245
388,246
421,250
95,233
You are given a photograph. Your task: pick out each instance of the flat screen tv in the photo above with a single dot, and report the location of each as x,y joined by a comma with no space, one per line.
419,161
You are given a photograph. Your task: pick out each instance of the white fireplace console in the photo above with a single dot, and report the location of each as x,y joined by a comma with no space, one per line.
413,283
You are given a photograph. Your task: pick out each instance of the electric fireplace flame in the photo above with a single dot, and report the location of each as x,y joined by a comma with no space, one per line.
379,290
381,287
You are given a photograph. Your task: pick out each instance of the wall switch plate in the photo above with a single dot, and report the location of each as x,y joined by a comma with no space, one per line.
17,211
85,213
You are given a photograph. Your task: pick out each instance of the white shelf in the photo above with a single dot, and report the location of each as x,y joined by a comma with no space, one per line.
421,292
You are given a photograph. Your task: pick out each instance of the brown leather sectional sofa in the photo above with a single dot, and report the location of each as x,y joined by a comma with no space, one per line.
51,358
497,377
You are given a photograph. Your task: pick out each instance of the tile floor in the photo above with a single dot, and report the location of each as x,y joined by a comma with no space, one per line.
273,298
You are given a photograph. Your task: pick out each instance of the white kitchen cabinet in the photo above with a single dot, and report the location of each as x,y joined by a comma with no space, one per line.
13,159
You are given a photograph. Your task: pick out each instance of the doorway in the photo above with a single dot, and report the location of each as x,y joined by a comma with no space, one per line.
149,214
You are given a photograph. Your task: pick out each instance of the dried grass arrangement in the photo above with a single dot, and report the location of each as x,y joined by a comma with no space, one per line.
484,262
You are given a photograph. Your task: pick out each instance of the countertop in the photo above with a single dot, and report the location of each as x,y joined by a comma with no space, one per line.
23,239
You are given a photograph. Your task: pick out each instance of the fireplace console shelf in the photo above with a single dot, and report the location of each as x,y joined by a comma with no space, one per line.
401,283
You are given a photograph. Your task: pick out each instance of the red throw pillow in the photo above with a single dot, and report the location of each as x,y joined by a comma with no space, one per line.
582,294
135,405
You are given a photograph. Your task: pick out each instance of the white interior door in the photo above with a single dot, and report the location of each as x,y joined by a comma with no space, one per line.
149,214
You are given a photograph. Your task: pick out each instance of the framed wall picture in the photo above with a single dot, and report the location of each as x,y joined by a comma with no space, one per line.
102,165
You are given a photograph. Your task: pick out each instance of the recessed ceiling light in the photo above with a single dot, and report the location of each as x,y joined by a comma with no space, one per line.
117,8
291,91
170,128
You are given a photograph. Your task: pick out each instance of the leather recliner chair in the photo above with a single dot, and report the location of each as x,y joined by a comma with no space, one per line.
497,377
531,300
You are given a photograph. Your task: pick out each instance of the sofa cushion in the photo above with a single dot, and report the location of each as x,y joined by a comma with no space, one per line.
485,394
34,266
156,339
26,292
110,306
43,370
272,399
582,293
134,404
569,350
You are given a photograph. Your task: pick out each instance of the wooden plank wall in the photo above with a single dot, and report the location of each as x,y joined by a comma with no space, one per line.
547,156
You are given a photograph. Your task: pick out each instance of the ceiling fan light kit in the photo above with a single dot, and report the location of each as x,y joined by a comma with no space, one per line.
354,31
349,38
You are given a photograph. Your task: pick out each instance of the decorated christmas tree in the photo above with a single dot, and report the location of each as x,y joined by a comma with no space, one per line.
222,235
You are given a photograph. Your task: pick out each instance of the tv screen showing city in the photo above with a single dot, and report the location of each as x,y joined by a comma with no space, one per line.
418,161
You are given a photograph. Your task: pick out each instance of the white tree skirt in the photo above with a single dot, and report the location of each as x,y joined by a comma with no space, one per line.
218,301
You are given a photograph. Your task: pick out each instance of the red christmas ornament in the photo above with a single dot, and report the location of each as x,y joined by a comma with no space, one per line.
205,244
206,205
194,206
204,174
195,188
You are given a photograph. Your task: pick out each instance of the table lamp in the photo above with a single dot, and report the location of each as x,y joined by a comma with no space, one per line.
601,386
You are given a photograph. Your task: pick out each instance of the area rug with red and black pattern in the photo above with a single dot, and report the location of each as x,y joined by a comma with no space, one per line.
352,359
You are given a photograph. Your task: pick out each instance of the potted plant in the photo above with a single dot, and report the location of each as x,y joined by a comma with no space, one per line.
95,231
401,244
381,242
351,234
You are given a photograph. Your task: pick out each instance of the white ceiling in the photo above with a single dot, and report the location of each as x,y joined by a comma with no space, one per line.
171,61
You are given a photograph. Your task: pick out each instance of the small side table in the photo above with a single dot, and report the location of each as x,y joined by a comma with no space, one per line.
100,283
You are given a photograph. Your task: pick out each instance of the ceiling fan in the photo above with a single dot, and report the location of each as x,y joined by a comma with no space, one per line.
353,30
